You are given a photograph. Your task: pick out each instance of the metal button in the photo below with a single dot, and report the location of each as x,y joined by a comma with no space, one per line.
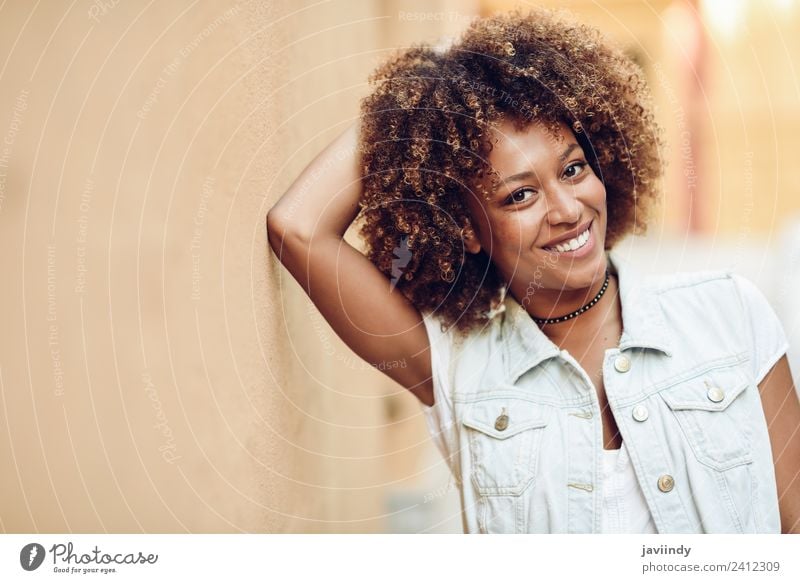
666,483
715,394
640,413
501,423
622,363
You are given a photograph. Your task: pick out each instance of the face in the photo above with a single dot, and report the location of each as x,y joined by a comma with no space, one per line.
545,222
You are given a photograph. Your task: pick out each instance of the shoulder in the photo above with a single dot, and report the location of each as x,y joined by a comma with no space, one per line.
455,339
688,282
717,290
445,338
464,358
713,290
697,314
714,314
681,286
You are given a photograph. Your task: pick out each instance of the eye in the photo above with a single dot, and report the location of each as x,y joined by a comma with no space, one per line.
581,165
520,196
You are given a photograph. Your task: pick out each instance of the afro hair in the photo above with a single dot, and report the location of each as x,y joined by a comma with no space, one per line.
425,138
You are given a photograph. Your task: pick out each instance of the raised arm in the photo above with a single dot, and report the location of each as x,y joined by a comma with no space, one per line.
306,229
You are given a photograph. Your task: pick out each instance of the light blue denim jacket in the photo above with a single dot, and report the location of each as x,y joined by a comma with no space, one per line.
682,385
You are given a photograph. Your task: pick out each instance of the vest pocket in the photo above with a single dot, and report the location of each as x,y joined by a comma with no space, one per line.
504,436
501,515
713,413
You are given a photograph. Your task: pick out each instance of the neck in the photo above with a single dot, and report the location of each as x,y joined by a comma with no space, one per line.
554,303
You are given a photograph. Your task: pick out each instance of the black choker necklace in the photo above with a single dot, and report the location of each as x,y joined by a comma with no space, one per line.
579,311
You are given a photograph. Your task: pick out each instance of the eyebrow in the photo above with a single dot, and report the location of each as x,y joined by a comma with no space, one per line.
524,175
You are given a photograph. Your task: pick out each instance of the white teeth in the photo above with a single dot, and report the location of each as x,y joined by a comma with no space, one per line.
572,244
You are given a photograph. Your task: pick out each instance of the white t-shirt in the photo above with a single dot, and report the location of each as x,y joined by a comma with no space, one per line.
624,508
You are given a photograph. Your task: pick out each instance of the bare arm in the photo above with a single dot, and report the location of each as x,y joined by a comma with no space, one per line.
306,229
782,411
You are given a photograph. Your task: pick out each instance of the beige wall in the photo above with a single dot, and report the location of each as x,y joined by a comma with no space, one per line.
156,374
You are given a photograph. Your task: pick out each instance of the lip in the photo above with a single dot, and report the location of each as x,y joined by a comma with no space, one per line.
580,252
569,234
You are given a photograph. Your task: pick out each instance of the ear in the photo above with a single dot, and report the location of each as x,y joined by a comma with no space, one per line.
471,242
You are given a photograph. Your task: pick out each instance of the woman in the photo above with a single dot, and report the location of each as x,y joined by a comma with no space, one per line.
566,393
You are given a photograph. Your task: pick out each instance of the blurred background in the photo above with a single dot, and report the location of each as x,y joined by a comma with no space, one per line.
161,372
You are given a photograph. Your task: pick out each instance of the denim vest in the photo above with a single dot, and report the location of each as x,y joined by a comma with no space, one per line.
518,421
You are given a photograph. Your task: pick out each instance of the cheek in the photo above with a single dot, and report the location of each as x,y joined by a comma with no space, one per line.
519,230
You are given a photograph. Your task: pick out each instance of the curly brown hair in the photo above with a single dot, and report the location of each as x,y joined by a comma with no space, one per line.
425,140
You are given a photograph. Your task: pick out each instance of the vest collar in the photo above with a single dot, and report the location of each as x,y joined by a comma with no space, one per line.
527,346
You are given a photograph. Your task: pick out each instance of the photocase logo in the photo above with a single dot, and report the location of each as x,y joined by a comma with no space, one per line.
402,256
31,556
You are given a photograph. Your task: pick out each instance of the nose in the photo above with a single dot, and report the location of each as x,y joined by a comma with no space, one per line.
562,204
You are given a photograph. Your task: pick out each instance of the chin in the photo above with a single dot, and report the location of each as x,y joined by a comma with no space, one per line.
582,276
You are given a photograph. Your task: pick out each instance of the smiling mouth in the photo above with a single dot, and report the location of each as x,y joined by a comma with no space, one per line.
572,244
